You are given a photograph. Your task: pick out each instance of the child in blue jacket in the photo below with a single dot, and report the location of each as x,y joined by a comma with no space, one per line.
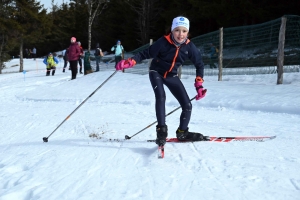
50,61
168,53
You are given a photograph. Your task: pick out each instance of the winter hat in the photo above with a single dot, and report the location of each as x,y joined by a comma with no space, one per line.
180,21
49,54
73,39
118,41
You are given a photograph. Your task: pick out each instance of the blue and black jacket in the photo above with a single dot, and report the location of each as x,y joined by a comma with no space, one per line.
168,57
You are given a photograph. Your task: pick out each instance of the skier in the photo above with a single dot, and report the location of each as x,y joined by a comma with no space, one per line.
168,53
81,55
73,56
98,55
119,52
65,57
34,53
50,61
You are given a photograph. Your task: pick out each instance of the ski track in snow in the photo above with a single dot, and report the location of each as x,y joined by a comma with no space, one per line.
74,166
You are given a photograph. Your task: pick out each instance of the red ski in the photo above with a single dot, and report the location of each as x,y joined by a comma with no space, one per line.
161,152
226,139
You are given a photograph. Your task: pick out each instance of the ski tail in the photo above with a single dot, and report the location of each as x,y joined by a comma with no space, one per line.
161,152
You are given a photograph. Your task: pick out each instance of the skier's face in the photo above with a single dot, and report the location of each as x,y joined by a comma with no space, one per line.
180,34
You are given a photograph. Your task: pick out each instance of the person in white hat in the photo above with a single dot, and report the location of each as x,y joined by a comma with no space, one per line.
169,53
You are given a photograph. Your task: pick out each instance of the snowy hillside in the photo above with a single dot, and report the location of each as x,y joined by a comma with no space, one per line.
73,165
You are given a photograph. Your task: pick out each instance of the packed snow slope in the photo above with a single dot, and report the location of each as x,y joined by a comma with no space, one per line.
73,165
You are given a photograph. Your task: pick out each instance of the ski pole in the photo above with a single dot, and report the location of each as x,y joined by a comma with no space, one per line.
45,139
128,138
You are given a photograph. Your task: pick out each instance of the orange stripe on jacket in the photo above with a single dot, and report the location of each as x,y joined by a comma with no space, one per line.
168,38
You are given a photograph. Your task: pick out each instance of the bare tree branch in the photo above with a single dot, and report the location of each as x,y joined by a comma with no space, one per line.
147,13
93,11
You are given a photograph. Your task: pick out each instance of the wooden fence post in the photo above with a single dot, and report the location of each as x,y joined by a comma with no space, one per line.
220,55
179,71
280,55
150,60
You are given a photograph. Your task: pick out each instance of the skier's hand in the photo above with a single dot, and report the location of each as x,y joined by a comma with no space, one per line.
199,88
123,64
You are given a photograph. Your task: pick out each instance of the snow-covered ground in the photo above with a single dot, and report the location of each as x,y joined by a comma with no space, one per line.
72,165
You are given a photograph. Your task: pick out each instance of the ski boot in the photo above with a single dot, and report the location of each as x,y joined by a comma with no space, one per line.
184,135
48,73
162,134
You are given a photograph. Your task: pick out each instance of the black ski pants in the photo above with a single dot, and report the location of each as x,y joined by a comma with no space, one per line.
80,65
176,87
73,66
65,63
117,59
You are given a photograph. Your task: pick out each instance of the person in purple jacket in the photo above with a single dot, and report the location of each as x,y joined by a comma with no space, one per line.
168,53
73,56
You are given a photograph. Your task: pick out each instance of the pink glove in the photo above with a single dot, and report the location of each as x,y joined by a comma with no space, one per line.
200,91
124,64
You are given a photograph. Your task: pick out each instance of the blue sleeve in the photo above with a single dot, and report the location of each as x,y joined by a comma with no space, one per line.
55,60
212,51
45,61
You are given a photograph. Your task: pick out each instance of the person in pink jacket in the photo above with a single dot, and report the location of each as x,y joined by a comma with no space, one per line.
73,56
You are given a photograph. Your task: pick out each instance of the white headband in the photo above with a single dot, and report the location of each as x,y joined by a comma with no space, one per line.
180,21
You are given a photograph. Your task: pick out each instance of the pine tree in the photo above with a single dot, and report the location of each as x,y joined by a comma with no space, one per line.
6,24
31,23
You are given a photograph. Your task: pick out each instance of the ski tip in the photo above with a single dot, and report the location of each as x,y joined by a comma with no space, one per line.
267,138
161,152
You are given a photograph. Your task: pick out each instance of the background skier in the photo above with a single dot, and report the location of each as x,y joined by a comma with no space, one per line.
50,61
73,56
119,52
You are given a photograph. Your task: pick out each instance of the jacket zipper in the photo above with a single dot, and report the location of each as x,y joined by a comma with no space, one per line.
173,63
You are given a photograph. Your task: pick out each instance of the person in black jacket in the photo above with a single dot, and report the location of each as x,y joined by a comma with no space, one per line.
98,55
168,53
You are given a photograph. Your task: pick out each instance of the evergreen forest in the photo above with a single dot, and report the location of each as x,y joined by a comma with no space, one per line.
27,24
